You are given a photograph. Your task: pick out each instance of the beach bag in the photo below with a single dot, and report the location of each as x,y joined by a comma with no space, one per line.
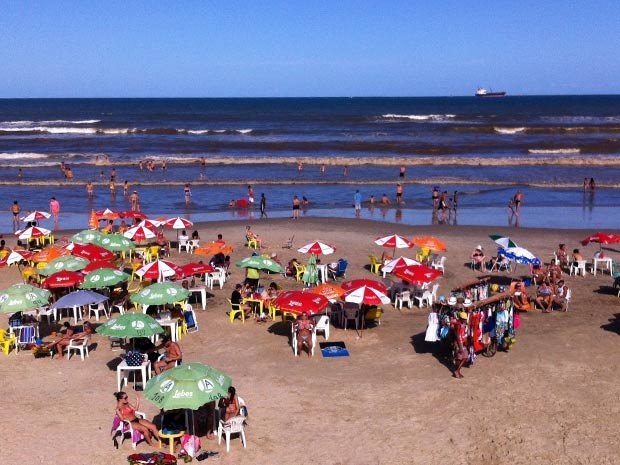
16,320
134,359
190,444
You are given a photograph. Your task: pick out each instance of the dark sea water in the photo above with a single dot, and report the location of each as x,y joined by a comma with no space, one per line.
484,148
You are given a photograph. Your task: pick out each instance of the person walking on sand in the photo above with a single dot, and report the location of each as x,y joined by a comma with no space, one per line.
55,210
16,210
263,206
187,192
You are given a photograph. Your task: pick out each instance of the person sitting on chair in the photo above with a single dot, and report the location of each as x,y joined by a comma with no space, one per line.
520,298
127,412
544,296
231,404
554,272
236,300
172,355
303,330
477,257
560,296
562,255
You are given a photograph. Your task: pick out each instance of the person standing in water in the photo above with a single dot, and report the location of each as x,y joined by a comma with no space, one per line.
55,210
187,192
263,206
16,210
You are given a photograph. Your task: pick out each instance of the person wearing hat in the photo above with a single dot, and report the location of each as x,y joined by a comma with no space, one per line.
461,354
478,259
452,301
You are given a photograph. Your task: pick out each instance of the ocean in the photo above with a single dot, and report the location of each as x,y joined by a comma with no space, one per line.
486,149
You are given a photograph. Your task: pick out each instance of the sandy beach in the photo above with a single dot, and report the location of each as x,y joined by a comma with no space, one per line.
552,399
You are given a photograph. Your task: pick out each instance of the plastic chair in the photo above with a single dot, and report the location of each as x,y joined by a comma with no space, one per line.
578,267
401,298
423,254
81,346
218,275
152,253
427,296
375,265
439,264
232,426
190,319
26,337
299,271
47,312
322,324
96,308
351,313
7,340
185,244
294,340
120,306
251,242
341,270
234,310
124,429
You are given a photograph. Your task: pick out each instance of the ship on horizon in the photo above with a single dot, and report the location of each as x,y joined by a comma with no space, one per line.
481,92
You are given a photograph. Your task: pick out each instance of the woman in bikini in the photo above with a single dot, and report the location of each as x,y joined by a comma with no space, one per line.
231,404
303,329
127,411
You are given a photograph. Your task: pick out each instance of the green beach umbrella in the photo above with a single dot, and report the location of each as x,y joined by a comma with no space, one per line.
189,386
503,241
104,277
160,294
311,275
114,243
67,262
88,236
260,263
22,297
130,325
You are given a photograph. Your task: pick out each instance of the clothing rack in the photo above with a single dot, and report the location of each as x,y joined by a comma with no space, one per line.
492,300
472,284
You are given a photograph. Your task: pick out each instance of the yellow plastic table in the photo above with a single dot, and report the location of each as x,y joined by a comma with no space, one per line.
170,437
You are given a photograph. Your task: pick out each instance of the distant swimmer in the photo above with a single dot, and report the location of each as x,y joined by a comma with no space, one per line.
435,197
135,201
399,193
90,191
402,171
518,202
251,194
113,175
345,171
263,206
20,174
140,165
55,210
187,192
585,184
126,189
300,167
163,166
385,200
592,184
323,168
455,200
112,188
68,173
296,206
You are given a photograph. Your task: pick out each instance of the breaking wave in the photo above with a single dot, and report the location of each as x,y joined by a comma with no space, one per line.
551,151
419,117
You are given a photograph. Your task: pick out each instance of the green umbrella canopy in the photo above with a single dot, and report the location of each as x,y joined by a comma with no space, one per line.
67,262
189,386
22,297
503,241
87,236
130,325
311,275
160,293
104,277
261,263
114,243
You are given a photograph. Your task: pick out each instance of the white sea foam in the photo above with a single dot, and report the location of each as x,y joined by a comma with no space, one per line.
419,117
554,151
21,155
64,121
26,123
243,131
508,130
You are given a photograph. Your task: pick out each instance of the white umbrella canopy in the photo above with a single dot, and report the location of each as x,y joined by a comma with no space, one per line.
159,269
316,248
32,233
394,241
36,216
178,223
367,295
400,262
139,233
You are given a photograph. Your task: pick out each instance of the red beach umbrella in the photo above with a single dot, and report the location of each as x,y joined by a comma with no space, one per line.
107,214
97,265
178,223
400,262
92,252
63,279
357,283
139,233
36,216
32,232
16,257
194,269
298,302
601,238
366,295
394,242
132,214
316,248
418,274
158,269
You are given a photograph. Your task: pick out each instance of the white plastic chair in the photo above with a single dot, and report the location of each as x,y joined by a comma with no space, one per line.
578,267
82,347
439,264
218,275
185,244
322,324
96,308
294,340
427,296
124,429
120,306
232,426
401,298
47,312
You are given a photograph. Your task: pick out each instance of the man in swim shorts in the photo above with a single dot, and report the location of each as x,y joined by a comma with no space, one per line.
16,210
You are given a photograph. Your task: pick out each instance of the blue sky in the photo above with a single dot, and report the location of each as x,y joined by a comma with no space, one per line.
307,48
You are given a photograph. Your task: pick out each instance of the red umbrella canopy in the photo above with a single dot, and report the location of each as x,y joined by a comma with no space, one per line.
394,242
357,283
92,252
32,233
36,216
63,279
157,269
601,238
15,257
132,214
178,223
366,295
193,269
298,302
316,248
150,224
107,214
139,233
418,274
97,265
400,262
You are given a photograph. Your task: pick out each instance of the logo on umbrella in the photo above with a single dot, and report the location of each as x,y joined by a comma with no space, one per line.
205,385
137,324
95,278
166,386
4,298
171,291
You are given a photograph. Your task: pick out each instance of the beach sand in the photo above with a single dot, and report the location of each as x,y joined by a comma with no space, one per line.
550,399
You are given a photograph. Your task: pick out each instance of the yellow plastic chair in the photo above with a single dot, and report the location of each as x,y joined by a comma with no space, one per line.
252,242
181,329
423,254
300,270
234,311
273,311
152,253
7,340
375,265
